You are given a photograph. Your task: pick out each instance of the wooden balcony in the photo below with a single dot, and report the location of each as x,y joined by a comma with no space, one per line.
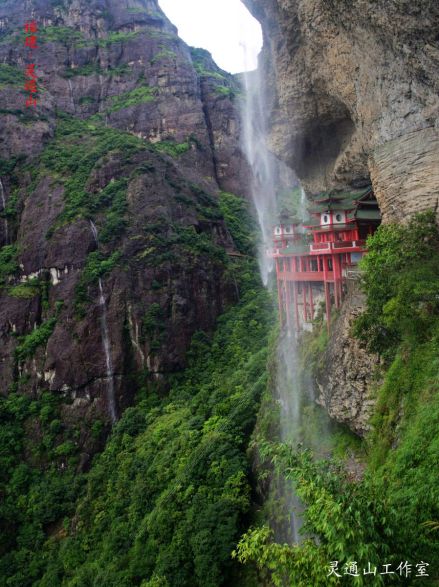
337,247
306,276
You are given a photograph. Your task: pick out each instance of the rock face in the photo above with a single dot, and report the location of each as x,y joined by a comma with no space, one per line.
348,373
355,95
136,134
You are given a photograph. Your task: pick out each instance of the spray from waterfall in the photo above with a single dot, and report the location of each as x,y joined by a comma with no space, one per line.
262,163
5,221
268,182
111,396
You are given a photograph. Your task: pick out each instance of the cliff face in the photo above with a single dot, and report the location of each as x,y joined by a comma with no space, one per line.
355,95
353,98
135,135
348,373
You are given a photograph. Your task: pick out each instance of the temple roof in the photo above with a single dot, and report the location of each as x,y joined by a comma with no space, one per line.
296,248
368,214
358,205
337,200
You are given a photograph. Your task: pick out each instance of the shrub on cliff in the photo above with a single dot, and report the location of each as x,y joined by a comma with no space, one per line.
401,281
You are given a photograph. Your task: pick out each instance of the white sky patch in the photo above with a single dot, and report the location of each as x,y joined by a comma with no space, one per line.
223,27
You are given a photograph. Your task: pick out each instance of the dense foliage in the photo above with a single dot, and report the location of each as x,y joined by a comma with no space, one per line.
391,514
38,482
167,496
166,501
69,159
401,279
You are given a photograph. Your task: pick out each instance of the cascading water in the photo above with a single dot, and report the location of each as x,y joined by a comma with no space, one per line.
266,184
3,200
262,162
111,396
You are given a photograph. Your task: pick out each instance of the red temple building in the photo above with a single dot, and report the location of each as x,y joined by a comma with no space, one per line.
312,259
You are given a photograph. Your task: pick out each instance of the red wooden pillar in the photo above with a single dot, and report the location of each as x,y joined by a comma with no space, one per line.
279,293
328,305
327,292
287,302
340,278
296,305
311,301
305,311
336,268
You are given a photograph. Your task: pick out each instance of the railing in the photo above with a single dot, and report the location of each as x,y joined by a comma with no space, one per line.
337,245
320,246
348,244
324,247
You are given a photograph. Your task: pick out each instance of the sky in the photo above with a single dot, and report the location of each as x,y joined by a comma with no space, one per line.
223,27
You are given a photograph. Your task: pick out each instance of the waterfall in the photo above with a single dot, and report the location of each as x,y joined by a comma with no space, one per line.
111,396
72,95
262,162
109,364
5,222
269,178
94,232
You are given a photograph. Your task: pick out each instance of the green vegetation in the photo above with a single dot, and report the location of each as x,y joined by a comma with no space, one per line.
137,10
203,72
172,149
166,242
226,91
165,502
7,166
401,278
95,69
28,344
8,263
39,482
61,34
184,463
86,100
233,211
350,519
10,211
118,37
10,75
89,69
26,290
96,266
153,326
391,514
72,36
139,95
71,157
201,58
198,243
163,55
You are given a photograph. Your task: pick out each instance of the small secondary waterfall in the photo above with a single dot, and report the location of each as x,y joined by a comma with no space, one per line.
5,222
111,396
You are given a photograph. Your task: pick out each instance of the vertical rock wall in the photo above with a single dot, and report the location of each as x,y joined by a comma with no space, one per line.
139,134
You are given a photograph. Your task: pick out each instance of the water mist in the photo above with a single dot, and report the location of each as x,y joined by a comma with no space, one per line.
267,182
262,163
